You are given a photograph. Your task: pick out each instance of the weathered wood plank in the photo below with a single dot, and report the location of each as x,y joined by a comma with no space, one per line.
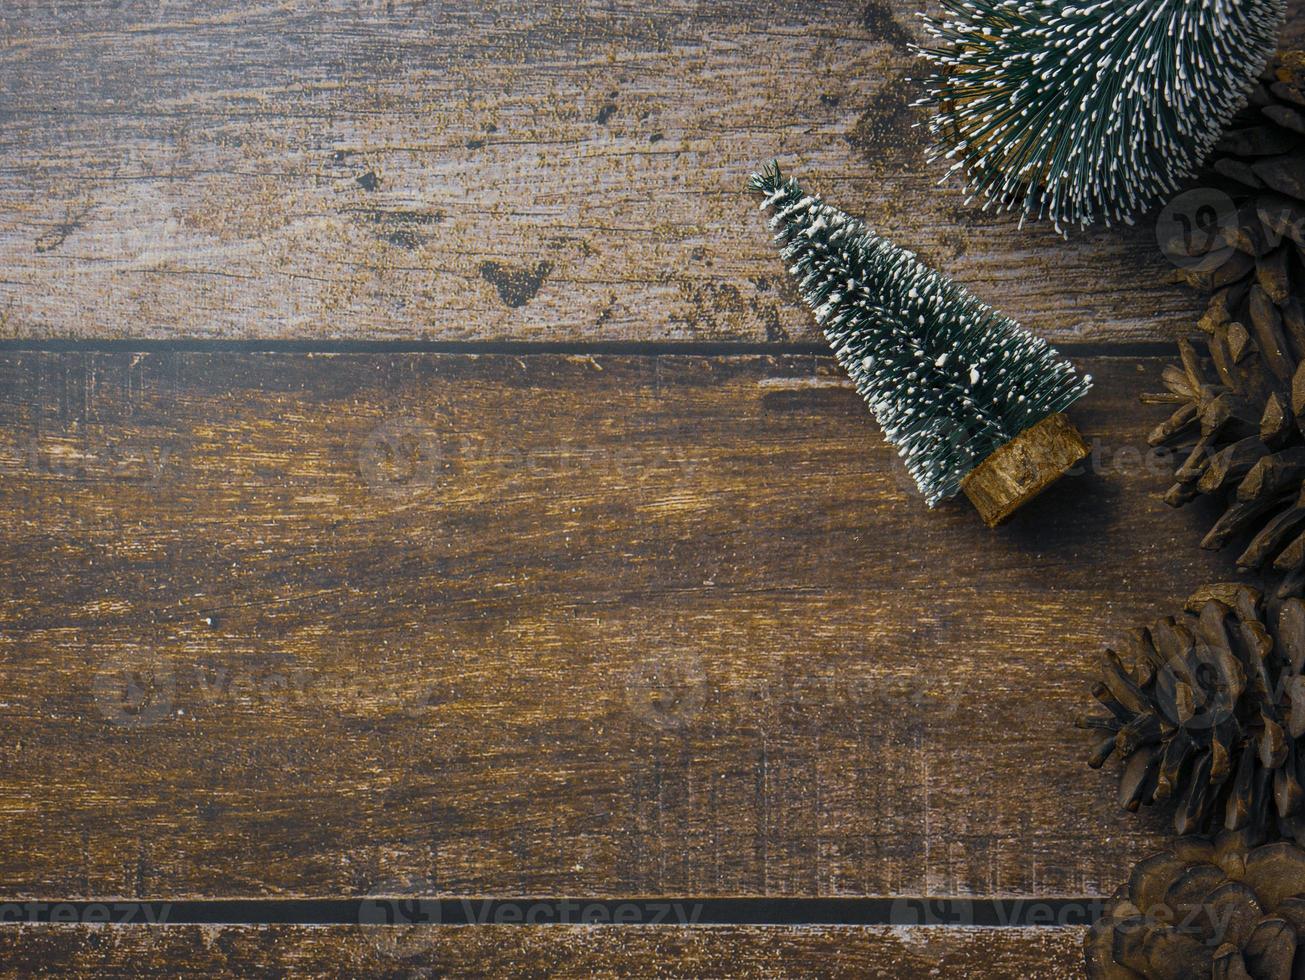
534,951
508,170
595,625
605,626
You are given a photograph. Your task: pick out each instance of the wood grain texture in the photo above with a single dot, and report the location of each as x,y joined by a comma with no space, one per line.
342,625
457,170
539,951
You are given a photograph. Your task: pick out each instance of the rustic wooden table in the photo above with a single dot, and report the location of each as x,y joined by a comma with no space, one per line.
419,479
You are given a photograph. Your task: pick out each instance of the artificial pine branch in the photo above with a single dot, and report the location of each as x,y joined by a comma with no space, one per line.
949,379
1088,110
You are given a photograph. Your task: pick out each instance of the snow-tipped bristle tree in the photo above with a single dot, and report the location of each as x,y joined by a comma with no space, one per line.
949,379
1089,110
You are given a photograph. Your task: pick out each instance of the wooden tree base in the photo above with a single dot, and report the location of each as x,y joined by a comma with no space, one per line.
1024,467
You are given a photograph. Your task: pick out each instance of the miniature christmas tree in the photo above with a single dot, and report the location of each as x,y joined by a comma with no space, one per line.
1082,110
969,398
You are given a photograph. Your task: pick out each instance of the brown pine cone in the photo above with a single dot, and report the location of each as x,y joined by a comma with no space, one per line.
1207,709
1199,909
1242,411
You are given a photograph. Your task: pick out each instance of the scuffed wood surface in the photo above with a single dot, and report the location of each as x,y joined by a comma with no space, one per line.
278,625
537,951
469,170
335,626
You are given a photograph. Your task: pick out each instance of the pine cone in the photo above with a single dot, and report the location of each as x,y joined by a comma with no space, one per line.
1207,709
1202,909
1242,411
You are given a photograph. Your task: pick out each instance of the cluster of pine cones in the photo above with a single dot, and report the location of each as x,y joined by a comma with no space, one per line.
1203,908
1206,709
1240,410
